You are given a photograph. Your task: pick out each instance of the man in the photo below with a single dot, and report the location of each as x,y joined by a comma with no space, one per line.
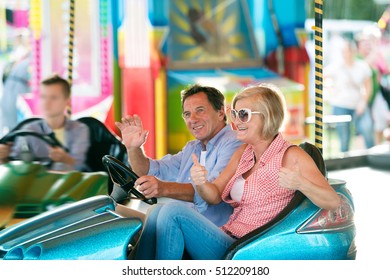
204,114
54,98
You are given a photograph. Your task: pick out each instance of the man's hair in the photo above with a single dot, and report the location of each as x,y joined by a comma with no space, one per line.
56,79
214,96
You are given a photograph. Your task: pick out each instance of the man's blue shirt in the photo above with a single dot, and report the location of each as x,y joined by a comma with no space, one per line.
176,168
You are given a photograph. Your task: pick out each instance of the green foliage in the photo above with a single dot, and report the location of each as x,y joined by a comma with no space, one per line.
348,9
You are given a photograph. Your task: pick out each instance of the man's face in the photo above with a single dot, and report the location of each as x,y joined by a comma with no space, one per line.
201,118
52,100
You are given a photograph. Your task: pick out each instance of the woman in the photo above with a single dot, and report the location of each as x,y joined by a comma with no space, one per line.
259,181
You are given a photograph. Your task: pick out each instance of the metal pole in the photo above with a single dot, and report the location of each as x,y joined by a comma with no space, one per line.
318,8
70,47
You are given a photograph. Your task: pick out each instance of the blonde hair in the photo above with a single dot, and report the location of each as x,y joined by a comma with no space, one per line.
270,102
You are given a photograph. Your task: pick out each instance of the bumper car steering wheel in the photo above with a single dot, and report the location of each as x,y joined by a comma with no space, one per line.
49,139
125,178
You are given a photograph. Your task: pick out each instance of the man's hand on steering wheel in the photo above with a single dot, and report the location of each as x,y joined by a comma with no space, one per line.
125,179
150,186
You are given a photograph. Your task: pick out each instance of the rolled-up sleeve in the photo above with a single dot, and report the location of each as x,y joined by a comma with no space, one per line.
167,168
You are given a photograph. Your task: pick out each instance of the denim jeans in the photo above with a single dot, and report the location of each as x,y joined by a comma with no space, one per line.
170,228
363,124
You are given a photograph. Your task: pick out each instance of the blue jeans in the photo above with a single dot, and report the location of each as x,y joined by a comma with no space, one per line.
363,124
170,228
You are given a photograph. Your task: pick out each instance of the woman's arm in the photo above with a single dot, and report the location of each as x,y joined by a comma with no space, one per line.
299,172
211,192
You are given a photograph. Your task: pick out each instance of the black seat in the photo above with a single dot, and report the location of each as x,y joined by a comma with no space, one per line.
103,142
297,199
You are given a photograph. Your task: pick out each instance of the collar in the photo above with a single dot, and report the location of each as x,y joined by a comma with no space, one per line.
275,146
215,139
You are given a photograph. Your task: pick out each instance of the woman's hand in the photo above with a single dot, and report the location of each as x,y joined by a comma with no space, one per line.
290,178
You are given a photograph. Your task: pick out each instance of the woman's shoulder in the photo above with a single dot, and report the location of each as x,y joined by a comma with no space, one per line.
294,153
241,150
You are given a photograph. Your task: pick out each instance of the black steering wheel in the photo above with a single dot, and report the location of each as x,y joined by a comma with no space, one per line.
49,139
125,178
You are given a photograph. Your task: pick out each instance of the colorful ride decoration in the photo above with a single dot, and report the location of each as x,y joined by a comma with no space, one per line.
122,51
73,39
226,44
35,23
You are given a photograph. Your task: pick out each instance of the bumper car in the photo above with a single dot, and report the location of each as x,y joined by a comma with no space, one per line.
90,229
28,187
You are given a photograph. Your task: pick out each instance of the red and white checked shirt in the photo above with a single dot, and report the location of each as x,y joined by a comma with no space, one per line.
263,198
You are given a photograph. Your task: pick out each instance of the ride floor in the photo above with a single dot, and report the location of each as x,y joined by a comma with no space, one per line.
370,189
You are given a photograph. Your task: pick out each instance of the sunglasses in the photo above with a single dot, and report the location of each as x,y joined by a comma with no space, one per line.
244,115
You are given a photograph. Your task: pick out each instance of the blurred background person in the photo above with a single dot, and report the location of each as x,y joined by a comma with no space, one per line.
16,81
369,49
349,86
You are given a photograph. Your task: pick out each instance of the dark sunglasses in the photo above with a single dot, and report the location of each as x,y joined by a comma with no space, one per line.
244,115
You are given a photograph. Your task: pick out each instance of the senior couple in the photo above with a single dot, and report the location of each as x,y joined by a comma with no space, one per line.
236,180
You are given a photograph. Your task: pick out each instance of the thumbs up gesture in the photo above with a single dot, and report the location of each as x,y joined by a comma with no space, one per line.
290,178
198,172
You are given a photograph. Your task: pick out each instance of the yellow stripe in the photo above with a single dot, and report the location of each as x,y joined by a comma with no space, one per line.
318,145
317,28
317,65
318,11
318,48
319,2
318,38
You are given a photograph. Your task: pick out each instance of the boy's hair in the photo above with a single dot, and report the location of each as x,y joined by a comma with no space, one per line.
56,79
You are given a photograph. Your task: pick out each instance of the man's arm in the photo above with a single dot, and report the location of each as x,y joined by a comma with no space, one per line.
138,161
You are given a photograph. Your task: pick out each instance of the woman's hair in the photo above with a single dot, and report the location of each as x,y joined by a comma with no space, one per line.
270,102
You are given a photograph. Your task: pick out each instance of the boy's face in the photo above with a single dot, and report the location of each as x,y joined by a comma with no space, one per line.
52,100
